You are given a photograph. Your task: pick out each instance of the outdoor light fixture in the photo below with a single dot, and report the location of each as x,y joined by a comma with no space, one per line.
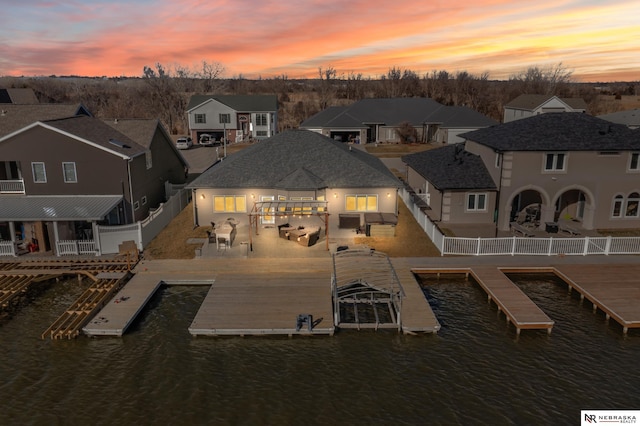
388,194
253,195
202,196
335,195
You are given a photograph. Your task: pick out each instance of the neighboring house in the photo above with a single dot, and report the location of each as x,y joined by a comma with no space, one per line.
16,117
529,105
18,96
61,178
243,117
377,120
297,173
630,118
563,166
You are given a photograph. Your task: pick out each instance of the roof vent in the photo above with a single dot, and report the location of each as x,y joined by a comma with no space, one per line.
118,143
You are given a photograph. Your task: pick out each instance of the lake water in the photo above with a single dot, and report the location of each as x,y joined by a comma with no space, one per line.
474,371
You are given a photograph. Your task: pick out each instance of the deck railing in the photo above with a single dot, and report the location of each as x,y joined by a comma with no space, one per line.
12,186
7,248
518,246
75,247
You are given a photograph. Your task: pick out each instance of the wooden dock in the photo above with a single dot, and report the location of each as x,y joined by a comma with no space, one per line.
519,310
263,304
614,289
417,315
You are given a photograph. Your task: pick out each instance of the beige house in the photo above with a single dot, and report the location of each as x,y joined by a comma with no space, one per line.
297,177
529,105
548,169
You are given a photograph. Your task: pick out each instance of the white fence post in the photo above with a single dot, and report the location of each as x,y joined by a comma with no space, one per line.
607,246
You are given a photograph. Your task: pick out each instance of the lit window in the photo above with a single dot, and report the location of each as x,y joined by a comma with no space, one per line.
39,173
555,162
229,203
476,202
361,203
69,172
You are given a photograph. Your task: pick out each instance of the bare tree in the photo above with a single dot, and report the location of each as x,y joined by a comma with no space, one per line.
327,89
543,81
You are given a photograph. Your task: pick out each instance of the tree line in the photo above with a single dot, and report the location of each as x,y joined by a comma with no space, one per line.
163,91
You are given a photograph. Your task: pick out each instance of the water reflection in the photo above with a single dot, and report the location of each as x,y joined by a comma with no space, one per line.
475,371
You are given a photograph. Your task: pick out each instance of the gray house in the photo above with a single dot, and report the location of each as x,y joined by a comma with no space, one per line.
528,105
60,178
296,176
550,168
243,117
630,118
377,120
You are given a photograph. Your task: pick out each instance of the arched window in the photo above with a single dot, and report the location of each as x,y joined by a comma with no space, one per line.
618,201
633,201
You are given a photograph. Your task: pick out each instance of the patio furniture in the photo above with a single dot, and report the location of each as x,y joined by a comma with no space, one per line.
223,243
517,228
226,231
565,227
551,227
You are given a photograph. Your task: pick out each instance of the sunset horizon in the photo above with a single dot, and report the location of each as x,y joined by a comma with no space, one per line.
595,42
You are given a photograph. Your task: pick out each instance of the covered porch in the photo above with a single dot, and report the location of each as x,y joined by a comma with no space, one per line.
62,225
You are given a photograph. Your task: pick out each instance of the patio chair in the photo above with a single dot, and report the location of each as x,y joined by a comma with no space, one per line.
223,243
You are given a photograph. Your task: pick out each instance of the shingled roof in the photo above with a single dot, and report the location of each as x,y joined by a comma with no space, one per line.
393,111
298,160
630,118
530,102
98,133
451,168
15,117
563,131
240,103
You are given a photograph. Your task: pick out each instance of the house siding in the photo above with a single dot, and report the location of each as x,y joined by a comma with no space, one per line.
92,165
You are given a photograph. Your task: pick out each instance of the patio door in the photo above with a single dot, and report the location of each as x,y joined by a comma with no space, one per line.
267,216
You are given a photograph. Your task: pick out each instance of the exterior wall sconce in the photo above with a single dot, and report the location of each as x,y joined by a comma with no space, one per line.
253,195
335,195
388,194
202,196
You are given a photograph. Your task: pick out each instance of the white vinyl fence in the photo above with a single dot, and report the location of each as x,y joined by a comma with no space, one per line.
110,237
513,246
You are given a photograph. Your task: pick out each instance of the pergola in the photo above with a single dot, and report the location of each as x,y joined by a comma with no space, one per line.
289,208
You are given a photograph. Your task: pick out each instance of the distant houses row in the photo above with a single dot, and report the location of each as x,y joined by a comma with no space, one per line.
64,172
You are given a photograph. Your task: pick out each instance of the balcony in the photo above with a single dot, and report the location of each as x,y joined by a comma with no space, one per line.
12,186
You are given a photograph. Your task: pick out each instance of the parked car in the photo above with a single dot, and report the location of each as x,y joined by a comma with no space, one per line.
207,140
184,143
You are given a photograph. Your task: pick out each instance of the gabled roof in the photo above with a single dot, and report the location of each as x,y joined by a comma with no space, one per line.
393,111
629,118
93,132
298,160
561,131
142,131
239,103
18,96
15,117
451,168
531,102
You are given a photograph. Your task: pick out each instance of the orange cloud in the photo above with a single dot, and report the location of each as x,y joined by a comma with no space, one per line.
273,38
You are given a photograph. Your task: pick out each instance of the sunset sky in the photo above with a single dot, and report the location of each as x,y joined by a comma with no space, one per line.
599,40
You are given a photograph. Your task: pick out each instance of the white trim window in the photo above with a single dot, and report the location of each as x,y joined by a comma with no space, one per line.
361,203
618,202
634,162
148,158
632,209
200,118
69,172
39,172
555,162
261,119
144,200
136,205
477,202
